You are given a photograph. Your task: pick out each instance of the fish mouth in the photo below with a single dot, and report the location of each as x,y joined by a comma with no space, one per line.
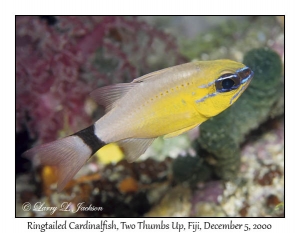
245,74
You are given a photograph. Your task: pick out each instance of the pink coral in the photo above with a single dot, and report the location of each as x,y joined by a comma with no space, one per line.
56,66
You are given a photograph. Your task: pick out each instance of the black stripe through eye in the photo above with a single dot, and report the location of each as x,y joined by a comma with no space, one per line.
227,82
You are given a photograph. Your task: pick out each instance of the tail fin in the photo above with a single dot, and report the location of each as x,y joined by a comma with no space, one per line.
68,154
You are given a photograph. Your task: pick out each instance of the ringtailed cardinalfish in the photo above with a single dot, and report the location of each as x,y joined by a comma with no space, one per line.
166,103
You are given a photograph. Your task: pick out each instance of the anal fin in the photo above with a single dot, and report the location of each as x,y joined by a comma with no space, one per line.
133,148
181,131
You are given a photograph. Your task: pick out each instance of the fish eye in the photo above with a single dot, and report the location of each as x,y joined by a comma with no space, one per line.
227,82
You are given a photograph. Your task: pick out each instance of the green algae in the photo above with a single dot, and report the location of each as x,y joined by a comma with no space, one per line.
232,38
222,35
191,169
222,135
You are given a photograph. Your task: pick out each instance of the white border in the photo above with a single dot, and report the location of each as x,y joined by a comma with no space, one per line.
10,8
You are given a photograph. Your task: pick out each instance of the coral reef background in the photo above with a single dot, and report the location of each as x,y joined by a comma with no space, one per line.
235,167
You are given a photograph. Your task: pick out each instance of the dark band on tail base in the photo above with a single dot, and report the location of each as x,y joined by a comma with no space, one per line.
90,139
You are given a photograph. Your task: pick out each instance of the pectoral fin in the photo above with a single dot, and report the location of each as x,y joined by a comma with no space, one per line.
181,131
133,148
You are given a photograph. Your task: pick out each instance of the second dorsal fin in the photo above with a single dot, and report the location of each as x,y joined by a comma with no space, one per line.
107,96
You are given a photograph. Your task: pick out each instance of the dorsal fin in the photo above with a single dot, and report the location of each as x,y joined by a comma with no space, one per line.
108,96
150,75
133,148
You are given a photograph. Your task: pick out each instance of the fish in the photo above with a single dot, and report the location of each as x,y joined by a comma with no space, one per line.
167,103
